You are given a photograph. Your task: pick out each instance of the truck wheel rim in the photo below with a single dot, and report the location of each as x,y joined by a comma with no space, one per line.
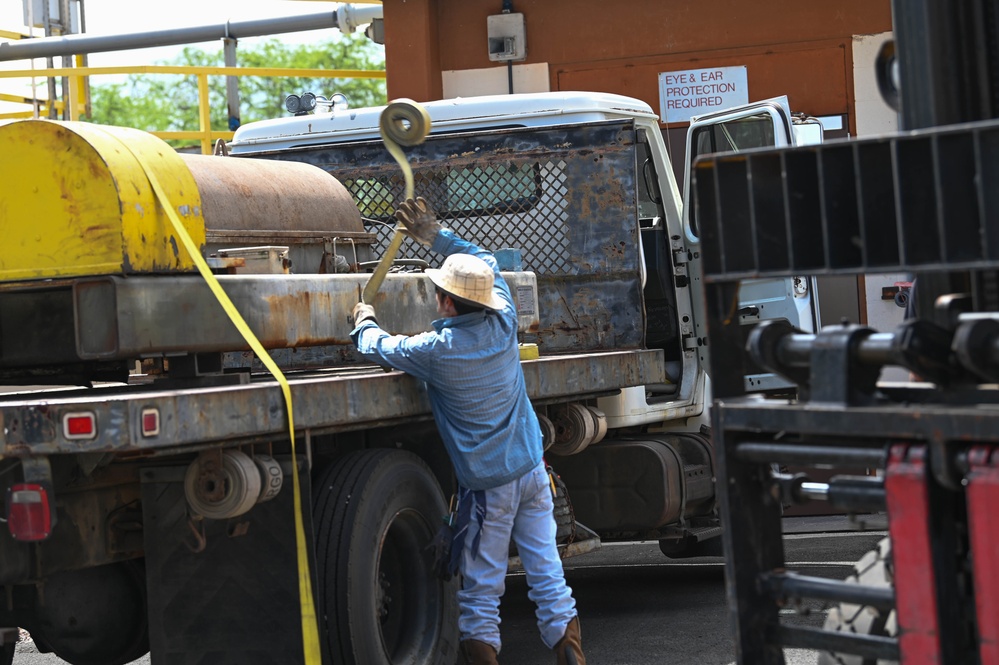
404,591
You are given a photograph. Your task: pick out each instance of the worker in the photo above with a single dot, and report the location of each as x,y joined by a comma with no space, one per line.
471,365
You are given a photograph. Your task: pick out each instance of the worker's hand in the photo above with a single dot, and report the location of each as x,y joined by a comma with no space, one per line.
419,220
363,313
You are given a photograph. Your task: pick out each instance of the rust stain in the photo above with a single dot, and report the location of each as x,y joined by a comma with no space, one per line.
96,169
293,314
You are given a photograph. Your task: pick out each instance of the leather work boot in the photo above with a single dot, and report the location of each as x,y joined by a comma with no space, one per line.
475,652
569,650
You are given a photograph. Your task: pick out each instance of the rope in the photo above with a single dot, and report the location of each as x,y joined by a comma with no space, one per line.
310,630
402,123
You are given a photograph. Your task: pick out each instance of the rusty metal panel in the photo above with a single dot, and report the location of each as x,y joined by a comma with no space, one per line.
93,513
336,400
145,316
565,196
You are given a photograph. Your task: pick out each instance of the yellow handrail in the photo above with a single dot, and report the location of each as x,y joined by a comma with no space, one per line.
193,69
205,134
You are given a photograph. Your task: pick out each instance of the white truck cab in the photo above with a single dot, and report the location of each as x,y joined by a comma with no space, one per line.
659,215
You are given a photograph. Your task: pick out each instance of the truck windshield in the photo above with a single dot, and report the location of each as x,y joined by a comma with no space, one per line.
756,131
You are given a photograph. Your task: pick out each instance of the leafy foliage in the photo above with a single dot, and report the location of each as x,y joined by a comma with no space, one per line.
169,102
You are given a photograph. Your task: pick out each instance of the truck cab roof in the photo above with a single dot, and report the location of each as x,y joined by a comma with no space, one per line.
448,115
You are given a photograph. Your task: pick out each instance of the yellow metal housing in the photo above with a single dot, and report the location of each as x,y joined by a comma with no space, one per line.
75,201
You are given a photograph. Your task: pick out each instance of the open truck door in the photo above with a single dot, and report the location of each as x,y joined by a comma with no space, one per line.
764,124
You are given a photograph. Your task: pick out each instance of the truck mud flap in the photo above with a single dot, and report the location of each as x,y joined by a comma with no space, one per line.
234,601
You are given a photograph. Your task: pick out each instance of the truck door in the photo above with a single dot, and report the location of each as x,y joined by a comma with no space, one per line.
758,125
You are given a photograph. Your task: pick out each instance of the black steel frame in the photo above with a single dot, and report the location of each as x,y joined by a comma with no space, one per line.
923,201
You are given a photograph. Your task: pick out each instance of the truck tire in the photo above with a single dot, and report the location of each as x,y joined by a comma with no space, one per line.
873,569
375,512
565,519
100,616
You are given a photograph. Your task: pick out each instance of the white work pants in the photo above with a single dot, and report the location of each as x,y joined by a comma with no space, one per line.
521,510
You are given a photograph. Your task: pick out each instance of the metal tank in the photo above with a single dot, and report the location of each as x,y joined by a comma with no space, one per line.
78,201
260,202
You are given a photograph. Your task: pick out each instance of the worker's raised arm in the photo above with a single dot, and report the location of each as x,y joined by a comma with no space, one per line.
419,220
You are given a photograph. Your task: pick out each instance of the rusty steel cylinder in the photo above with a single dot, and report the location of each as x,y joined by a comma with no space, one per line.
261,195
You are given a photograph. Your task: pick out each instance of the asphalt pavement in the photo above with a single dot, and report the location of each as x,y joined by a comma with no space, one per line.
636,606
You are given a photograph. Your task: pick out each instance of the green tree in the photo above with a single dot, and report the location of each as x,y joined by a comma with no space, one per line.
169,102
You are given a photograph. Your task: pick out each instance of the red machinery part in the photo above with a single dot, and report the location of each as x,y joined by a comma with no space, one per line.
915,578
983,496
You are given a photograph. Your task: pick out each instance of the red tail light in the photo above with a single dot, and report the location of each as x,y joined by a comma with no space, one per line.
150,422
79,425
29,516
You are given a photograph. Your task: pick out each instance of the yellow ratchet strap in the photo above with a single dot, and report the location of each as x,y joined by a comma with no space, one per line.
310,630
402,123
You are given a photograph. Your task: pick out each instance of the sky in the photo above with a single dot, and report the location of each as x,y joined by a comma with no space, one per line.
109,17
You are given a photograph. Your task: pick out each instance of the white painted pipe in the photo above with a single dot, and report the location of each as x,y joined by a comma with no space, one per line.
346,18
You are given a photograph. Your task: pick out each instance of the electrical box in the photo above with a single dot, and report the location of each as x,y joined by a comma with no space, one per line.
37,17
376,31
507,37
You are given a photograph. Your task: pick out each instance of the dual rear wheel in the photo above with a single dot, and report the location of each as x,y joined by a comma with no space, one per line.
375,513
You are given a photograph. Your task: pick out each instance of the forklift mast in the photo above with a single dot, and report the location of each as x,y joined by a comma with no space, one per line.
925,201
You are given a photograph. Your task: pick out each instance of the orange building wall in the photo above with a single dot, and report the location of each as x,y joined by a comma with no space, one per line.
801,48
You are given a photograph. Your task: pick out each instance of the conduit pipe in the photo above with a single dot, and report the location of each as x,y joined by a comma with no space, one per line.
347,18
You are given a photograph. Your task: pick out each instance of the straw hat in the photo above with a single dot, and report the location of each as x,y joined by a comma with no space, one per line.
467,278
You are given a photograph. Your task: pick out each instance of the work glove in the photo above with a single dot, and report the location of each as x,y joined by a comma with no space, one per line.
363,312
419,220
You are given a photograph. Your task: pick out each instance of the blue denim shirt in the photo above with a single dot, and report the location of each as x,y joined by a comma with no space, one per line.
471,365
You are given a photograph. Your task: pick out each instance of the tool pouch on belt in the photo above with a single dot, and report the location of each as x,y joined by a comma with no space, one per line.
440,546
565,519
